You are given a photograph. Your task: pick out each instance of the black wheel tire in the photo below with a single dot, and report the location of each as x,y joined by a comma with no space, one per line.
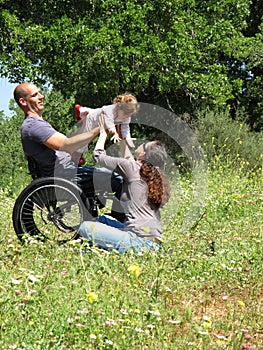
50,208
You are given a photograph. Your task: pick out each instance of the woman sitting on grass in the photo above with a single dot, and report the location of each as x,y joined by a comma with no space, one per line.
145,191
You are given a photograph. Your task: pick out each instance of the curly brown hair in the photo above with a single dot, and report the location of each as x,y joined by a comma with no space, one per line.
158,185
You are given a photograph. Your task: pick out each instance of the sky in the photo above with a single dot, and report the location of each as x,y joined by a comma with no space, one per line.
6,93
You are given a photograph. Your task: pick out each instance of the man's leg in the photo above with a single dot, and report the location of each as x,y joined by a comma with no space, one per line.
99,180
111,182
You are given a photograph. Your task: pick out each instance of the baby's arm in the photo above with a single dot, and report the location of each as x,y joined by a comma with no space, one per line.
110,126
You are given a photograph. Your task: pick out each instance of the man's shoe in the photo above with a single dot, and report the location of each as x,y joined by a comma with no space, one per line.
82,160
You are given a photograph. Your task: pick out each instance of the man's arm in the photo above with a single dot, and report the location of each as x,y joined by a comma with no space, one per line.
61,142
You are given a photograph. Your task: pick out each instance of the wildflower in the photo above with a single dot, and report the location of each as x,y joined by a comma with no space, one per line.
92,296
32,291
175,321
151,326
93,336
84,311
207,322
221,337
139,330
241,303
247,336
134,269
248,346
33,278
203,333
17,291
14,281
124,312
156,313
79,325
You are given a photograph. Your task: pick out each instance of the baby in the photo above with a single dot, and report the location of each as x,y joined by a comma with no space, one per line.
117,119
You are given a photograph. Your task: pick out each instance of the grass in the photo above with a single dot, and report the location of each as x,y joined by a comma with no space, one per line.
203,291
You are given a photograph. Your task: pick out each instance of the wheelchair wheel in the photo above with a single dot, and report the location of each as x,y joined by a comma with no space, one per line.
50,208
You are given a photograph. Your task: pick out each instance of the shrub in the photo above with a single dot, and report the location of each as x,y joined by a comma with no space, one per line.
229,140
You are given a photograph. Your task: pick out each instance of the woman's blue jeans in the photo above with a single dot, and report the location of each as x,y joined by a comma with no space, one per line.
108,233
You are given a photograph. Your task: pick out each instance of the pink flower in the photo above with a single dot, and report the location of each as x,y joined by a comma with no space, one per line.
124,312
248,346
247,336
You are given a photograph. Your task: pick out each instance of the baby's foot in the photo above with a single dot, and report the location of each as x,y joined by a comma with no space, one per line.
84,111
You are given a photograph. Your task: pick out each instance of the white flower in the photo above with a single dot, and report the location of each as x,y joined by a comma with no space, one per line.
14,281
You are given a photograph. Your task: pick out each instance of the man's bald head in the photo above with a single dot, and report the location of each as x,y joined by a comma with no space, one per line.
29,99
21,91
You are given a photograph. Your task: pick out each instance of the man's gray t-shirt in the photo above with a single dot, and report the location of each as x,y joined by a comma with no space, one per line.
34,132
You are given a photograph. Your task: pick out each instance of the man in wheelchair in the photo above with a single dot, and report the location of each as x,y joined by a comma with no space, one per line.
49,152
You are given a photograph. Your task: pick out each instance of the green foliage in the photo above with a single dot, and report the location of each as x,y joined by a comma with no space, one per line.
59,111
253,96
203,291
178,54
229,140
13,166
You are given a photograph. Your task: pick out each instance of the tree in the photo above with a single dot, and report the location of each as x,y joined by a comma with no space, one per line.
180,54
13,163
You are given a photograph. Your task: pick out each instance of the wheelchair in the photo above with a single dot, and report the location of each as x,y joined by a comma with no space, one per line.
52,208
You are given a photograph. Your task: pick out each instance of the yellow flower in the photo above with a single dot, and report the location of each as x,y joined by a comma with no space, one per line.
241,303
134,269
92,296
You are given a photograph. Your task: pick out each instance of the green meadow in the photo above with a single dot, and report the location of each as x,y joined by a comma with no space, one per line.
202,291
